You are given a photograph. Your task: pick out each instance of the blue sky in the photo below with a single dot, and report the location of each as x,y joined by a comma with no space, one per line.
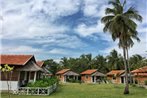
61,28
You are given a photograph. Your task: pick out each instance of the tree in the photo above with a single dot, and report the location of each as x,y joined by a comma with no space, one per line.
64,62
136,61
52,66
7,70
120,24
100,63
115,60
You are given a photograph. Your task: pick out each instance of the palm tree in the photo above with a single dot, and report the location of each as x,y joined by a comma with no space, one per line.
100,63
120,24
114,60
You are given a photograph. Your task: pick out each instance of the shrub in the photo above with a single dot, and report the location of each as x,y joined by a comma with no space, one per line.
133,85
45,82
136,82
73,80
145,82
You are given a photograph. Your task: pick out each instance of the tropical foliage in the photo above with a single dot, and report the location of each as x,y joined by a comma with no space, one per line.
112,61
46,82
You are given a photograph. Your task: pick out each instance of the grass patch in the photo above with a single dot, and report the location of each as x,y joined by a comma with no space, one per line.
73,90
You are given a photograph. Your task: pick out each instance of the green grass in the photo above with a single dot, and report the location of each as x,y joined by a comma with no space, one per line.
90,91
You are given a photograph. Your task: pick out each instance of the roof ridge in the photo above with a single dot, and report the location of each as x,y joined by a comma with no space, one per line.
16,54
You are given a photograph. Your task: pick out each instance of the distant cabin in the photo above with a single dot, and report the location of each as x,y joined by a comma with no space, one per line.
65,75
140,75
115,76
92,76
26,69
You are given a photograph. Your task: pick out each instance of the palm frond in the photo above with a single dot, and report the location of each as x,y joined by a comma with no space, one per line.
106,19
106,28
133,14
129,23
117,6
110,11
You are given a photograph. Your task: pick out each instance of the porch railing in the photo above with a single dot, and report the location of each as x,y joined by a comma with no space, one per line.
36,90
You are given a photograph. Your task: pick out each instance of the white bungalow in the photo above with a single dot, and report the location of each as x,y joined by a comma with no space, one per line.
25,70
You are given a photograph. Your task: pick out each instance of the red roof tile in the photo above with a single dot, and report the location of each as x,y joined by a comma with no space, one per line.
40,63
115,72
62,71
140,70
140,74
15,59
89,72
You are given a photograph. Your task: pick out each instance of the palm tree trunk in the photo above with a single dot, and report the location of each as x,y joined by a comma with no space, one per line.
126,90
129,72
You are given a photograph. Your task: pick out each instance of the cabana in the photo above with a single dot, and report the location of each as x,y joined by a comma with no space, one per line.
92,76
66,75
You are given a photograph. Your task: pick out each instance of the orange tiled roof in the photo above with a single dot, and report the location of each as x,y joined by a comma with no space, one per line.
140,70
15,59
115,72
140,74
88,72
40,63
62,71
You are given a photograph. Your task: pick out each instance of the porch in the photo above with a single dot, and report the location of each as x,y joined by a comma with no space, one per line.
98,77
71,76
29,73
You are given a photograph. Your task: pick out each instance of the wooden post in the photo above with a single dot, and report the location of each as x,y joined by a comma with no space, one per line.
38,91
27,91
29,76
35,76
18,80
25,78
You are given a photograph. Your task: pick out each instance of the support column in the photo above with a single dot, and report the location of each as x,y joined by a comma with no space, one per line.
76,77
35,76
94,79
65,79
29,76
25,78
18,80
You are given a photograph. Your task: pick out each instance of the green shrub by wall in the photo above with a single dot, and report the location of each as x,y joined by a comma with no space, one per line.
45,82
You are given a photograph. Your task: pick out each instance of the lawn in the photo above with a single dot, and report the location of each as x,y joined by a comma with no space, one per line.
90,91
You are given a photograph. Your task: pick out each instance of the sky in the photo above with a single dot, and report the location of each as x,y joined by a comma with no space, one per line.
52,29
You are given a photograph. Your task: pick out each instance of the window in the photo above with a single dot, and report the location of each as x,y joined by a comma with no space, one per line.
86,76
114,78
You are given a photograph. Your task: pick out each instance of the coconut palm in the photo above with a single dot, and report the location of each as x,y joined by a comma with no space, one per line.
120,24
114,60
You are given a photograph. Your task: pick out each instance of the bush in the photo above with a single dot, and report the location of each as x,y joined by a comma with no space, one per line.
133,85
45,82
136,82
73,80
145,82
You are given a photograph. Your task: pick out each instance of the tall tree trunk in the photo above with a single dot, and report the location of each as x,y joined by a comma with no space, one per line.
129,72
126,90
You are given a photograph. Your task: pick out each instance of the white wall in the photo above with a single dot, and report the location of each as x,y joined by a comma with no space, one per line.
3,85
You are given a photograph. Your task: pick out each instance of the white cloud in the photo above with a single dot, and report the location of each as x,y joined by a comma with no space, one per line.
56,8
58,51
20,49
26,19
85,30
26,28
95,8
62,40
